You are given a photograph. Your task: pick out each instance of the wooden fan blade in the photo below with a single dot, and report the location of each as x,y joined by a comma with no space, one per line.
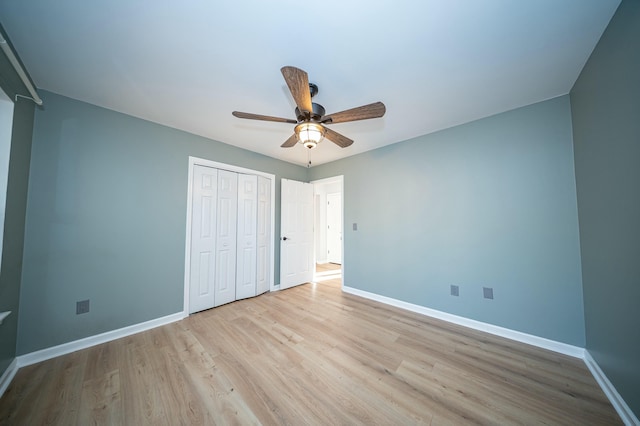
298,82
337,138
364,112
262,117
290,142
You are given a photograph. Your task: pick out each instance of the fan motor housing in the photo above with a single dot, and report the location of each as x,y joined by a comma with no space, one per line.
317,113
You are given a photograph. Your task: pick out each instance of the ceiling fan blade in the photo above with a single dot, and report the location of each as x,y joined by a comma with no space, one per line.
365,112
298,82
262,117
337,138
290,142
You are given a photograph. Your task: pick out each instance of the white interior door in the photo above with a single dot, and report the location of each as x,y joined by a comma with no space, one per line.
263,231
203,242
334,228
225,273
296,229
247,238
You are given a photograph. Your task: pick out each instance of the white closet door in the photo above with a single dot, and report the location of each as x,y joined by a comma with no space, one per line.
225,281
203,242
247,239
263,270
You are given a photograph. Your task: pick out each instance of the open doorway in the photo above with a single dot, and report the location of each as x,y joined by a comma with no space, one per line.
328,228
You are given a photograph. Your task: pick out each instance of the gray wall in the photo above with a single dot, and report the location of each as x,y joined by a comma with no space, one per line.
606,124
106,219
489,203
16,205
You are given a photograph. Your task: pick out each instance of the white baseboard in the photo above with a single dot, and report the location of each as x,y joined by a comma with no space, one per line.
541,342
7,376
610,391
66,348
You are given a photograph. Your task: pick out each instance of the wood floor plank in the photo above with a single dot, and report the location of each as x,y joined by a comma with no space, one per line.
11,407
308,355
101,400
64,384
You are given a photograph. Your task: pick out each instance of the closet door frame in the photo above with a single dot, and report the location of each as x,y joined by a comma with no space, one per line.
222,166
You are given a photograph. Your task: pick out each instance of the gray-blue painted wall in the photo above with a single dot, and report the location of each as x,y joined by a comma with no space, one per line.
606,123
489,203
106,219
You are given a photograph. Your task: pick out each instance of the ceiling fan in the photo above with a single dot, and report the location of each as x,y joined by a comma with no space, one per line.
311,120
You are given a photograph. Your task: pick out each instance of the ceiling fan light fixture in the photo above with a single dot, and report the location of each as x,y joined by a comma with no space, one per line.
311,117
309,134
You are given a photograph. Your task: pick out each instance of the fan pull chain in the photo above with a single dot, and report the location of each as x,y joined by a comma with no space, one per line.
309,158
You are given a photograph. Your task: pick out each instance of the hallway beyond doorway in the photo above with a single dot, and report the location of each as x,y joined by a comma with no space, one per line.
327,271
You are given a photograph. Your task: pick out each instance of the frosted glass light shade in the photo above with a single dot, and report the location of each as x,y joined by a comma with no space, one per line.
309,134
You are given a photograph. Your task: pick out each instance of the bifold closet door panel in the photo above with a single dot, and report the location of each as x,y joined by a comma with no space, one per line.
247,238
203,241
226,242
263,232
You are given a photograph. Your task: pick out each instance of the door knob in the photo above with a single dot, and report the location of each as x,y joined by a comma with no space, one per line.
284,238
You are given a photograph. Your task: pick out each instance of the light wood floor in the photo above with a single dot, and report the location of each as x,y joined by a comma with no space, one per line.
307,355
328,267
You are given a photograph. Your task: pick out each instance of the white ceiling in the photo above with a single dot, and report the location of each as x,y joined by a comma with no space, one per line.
188,64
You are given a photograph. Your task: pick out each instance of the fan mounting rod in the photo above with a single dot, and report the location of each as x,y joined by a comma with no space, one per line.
313,89
317,110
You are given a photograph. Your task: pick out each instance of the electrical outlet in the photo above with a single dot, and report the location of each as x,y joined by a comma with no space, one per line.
82,307
355,226
487,292
455,290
